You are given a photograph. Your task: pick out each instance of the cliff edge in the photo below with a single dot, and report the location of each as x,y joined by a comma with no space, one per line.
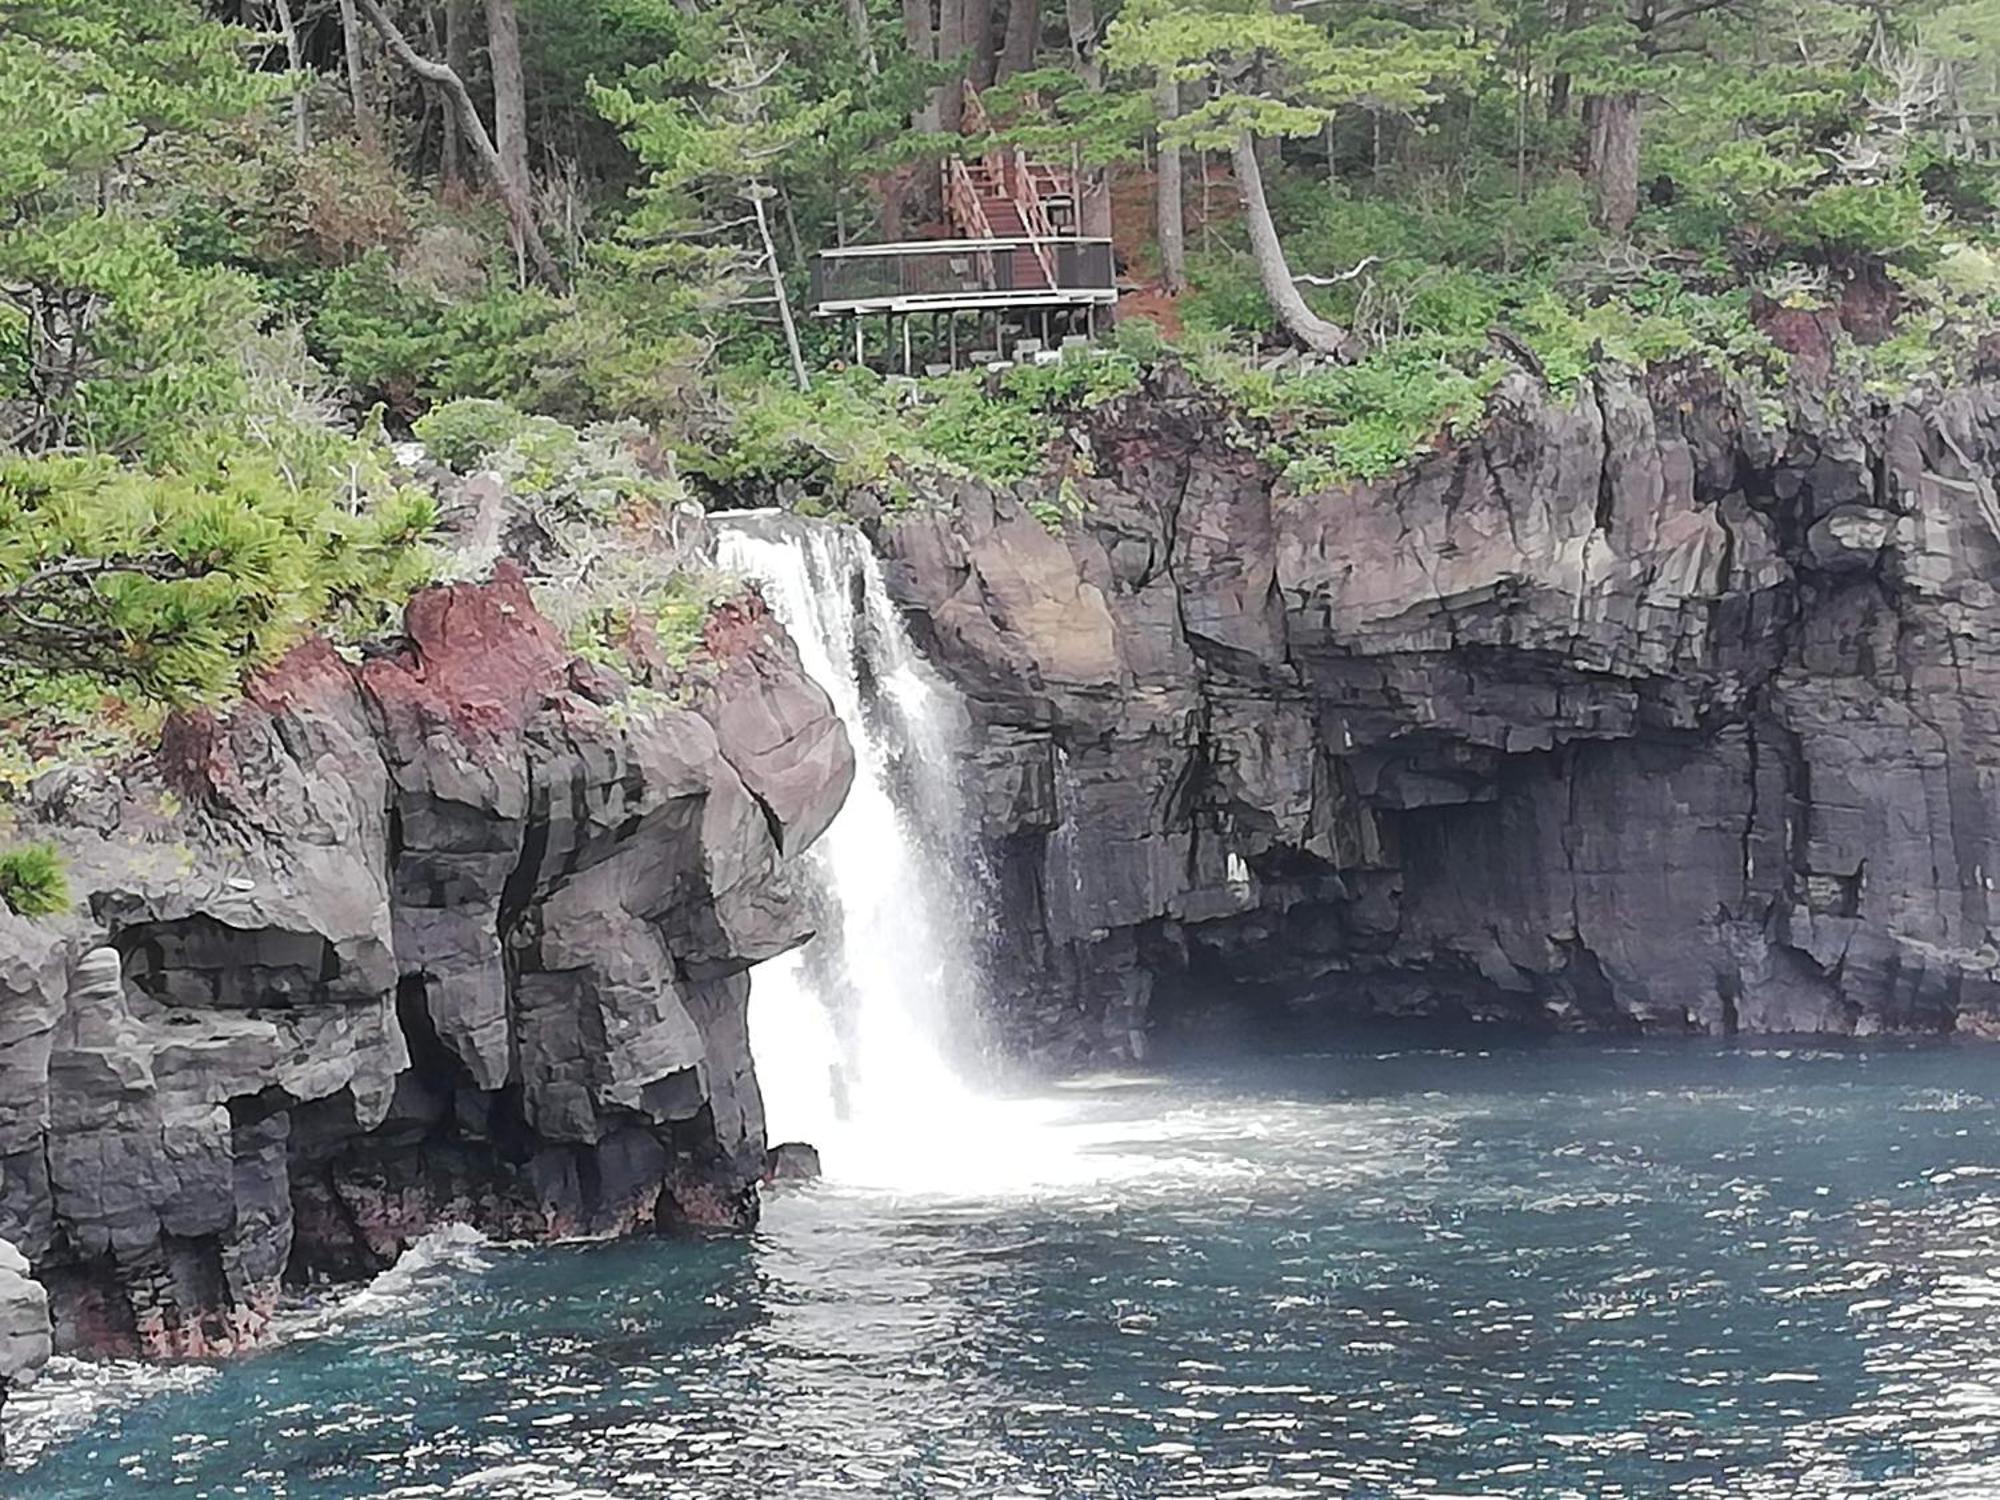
1627,713
455,933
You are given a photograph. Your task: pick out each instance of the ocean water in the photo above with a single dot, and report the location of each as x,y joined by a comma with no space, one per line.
1570,1270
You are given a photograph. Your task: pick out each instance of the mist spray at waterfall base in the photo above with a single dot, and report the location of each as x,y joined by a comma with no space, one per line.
859,1038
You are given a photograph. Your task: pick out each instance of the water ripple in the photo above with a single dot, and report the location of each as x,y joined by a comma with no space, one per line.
1580,1272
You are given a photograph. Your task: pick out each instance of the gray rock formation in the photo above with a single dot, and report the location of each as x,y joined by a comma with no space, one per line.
459,933
25,1343
1624,714
792,1161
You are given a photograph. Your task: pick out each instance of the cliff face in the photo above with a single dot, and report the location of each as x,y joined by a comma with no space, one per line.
457,933
1622,715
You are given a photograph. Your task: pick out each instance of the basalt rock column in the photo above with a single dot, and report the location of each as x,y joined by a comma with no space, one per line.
459,933
1624,713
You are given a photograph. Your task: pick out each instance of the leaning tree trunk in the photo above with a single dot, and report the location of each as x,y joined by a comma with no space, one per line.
513,192
1300,321
510,92
1169,209
366,128
295,59
1614,161
757,193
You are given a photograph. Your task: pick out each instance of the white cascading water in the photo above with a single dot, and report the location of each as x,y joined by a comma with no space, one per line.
853,1034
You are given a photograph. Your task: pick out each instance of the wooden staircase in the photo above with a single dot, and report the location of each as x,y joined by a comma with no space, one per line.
1003,217
1006,195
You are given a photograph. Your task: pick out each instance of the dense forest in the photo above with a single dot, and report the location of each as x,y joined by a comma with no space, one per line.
246,247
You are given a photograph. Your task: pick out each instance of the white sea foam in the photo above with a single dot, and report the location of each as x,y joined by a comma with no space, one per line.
73,1395
419,1276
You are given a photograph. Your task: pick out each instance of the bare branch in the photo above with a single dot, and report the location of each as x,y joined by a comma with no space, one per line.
1305,279
513,195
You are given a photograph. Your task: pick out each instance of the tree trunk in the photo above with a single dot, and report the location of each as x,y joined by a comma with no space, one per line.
1614,121
1168,207
513,192
510,93
864,36
757,194
979,37
922,40
1093,189
1024,38
922,196
366,128
1300,321
457,57
951,41
1575,13
295,60
1082,18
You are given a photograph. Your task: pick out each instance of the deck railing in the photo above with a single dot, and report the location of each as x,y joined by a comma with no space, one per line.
924,275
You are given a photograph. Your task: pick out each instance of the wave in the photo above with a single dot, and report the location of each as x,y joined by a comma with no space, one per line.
74,1395
420,1273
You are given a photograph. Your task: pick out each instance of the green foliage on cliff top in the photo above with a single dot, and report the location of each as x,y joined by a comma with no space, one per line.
210,272
32,881
168,586
179,498
859,429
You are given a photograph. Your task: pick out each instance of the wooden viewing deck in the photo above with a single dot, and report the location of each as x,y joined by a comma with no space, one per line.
1026,289
925,276
1014,263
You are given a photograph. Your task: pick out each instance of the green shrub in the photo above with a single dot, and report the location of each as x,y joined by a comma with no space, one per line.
32,881
680,612
460,434
1139,339
496,343
1223,296
381,338
597,475
850,430
966,427
598,616
1879,219
188,579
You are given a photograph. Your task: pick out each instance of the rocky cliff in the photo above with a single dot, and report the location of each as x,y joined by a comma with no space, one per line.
457,932
1628,714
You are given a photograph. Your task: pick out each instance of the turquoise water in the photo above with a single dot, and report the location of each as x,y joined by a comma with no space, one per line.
1565,1271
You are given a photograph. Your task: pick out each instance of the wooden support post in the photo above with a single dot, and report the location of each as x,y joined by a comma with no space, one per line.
906,343
951,329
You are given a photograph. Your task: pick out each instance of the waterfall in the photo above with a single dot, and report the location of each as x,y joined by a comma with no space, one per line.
855,1035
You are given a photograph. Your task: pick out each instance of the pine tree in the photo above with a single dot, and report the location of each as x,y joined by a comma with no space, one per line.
715,143
1270,72
169,586
110,324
